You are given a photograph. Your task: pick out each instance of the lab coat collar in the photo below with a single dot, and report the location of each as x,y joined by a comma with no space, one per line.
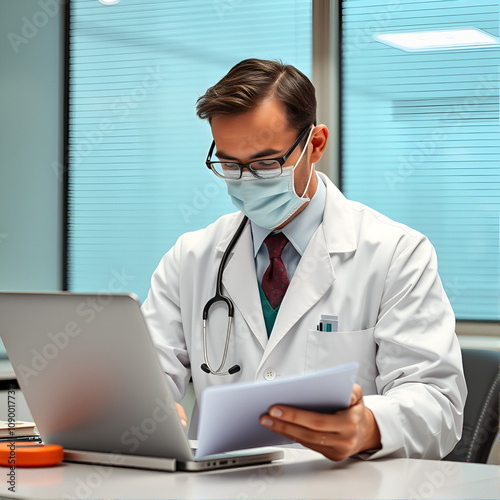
338,225
229,231
240,280
315,273
312,279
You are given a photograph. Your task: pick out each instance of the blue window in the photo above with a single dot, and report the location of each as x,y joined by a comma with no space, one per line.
420,132
137,178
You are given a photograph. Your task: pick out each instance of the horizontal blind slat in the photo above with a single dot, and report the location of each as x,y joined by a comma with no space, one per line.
421,139
137,179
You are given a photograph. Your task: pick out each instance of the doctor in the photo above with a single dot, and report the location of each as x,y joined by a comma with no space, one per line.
307,251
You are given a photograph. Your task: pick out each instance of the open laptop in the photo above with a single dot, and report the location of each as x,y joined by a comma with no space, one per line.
91,377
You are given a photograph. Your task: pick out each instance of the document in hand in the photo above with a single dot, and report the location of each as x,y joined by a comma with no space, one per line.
229,414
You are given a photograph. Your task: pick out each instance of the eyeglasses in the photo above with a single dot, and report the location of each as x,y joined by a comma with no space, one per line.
262,169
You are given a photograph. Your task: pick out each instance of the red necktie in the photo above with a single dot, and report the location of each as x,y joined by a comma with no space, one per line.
275,279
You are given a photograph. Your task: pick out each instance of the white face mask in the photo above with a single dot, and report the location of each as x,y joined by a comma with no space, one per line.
269,202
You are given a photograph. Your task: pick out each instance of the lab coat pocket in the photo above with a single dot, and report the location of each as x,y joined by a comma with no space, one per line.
327,349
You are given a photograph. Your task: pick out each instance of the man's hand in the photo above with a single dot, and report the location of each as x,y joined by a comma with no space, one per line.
336,436
182,415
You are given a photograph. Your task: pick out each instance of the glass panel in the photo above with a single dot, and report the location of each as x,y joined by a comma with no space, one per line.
421,139
138,178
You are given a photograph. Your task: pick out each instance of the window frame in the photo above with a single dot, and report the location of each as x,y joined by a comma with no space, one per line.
323,73
326,71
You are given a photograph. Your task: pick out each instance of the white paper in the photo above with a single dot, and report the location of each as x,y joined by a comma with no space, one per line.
229,414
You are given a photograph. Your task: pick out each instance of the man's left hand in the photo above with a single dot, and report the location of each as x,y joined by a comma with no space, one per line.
337,436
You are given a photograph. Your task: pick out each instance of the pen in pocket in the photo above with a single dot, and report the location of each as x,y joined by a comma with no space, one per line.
328,323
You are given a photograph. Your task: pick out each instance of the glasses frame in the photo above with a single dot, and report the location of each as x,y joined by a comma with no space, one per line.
241,166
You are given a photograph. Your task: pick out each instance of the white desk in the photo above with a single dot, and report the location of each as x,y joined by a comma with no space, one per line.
303,474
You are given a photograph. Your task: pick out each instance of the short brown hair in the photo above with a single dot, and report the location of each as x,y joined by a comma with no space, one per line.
251,81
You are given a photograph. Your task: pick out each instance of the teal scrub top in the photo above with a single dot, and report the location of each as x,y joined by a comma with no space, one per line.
269,313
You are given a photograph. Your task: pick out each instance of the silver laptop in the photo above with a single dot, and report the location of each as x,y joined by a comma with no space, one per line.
91,377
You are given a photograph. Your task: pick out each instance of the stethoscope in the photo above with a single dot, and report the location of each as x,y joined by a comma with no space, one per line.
206,367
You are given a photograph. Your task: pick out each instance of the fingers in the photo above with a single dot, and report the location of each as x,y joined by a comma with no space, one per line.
302,418
333,445
293,431
310,427
337,435
357,395
337,422
182,415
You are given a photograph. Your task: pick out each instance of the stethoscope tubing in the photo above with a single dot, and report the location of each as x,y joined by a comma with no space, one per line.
219,297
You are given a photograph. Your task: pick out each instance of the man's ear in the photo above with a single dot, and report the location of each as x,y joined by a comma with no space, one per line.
318,142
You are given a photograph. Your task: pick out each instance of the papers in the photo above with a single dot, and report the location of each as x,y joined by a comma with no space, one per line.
229,416
19,429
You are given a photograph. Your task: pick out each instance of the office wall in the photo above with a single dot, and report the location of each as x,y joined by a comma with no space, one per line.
31,127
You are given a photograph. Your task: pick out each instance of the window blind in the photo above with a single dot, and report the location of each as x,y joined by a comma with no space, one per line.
137,178
420,137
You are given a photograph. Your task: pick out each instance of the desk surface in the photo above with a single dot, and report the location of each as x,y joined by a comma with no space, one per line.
303,474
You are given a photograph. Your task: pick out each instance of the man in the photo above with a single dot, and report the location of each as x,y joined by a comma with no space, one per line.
307,251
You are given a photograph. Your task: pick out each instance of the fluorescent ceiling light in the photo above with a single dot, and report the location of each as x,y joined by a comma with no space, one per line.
109,2
417,41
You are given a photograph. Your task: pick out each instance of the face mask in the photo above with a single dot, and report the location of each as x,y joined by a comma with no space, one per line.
269,202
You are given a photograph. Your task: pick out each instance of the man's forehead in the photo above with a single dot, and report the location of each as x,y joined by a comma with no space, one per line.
251,146
269,114
235,139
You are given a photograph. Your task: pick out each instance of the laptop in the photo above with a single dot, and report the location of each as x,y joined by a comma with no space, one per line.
93,382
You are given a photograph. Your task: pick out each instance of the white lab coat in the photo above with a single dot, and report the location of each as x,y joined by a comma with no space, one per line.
380,277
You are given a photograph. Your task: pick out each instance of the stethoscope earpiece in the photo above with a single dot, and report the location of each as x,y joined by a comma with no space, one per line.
234,369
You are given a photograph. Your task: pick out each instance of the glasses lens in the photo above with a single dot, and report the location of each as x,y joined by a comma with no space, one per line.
265,169
226,170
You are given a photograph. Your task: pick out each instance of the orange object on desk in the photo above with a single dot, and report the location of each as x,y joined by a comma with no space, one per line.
26,454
